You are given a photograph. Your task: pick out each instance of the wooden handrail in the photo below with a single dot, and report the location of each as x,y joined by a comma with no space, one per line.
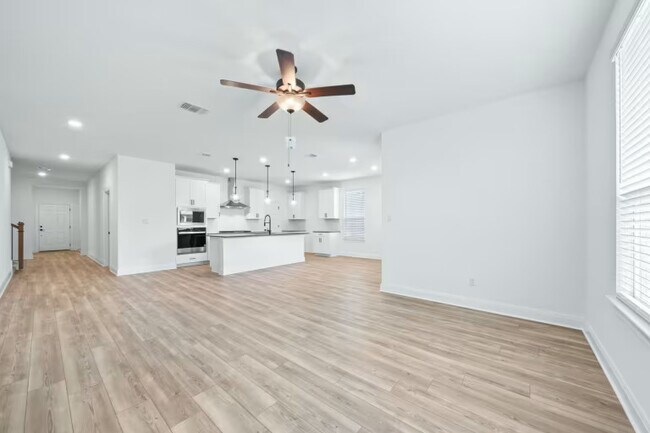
21,243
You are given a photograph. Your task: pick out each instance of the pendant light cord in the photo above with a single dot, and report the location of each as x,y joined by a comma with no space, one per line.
293,184
289,148
267,180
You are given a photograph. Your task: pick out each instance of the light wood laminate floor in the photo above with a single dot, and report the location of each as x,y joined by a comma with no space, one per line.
313,347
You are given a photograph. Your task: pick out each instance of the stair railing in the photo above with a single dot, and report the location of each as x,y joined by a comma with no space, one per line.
21,244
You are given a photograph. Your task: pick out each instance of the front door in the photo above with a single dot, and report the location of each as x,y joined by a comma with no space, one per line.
54,227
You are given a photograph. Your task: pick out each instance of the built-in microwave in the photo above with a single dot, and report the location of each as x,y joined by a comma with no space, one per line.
191,216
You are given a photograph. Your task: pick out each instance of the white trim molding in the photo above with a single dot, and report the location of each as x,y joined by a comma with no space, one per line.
7,280
361,256
501,308
633,409
144,269
638,322
95,259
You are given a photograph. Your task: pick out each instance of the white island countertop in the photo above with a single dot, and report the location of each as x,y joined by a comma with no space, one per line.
231,253
250,234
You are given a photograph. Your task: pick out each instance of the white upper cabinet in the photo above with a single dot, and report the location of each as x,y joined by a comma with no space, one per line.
182,191
190,192
197,193
213,199
296,211
256,203
328,203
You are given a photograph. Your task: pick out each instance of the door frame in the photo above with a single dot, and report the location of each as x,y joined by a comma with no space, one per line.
38,213
106,227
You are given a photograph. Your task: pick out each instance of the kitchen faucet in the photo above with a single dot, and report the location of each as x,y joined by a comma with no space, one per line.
269,229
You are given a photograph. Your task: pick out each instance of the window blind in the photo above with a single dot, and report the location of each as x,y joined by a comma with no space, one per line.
354,215
632,62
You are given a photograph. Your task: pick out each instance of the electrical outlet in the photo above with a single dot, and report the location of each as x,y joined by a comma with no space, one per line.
472,282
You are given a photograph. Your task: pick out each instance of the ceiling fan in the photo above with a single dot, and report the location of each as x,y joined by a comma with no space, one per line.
291,92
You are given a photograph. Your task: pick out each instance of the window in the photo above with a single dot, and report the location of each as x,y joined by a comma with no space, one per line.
354,215
632,60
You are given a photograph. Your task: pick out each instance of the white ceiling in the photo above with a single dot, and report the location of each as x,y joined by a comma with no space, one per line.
123,67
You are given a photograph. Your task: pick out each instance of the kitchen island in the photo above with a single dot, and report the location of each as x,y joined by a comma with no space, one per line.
231,253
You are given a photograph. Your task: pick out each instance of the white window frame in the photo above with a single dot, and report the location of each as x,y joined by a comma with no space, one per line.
345,233
641,309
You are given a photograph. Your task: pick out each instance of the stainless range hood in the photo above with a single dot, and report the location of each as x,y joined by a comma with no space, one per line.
231,204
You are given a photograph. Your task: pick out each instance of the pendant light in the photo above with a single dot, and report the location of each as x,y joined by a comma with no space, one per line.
267,200
293,187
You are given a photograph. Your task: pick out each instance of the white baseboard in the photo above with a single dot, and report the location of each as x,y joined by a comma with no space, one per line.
361,256
96,260
527,313
634,411
144,269
7,280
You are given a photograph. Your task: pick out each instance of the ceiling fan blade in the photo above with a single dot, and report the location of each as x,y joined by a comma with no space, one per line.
317,92
314,112
246,86
287,67
267,113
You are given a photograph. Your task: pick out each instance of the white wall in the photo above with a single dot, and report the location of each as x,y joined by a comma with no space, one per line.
69,196
494,193
5,215
22,209
146,215
624,353
98,217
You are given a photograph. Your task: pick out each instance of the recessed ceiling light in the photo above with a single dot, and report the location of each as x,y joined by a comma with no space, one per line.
263,159
325,174
75,124
353,159
64,156
287,181
226,170
374,168
42,173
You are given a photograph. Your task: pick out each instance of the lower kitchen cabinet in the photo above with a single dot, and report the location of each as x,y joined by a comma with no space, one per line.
190,259
326,244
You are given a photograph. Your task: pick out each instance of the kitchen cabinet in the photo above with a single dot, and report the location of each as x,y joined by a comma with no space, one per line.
191,259
326,244
256,203
190,192
296,211
328,203
213,200
182,191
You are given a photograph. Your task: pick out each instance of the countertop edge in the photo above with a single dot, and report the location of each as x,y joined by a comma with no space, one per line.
253,235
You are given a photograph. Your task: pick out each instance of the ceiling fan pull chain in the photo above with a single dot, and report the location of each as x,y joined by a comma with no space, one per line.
288,146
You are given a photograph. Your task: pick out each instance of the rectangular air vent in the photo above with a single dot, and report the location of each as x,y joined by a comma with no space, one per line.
193,108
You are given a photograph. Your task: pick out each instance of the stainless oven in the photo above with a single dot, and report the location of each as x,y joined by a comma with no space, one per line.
191,216
190,240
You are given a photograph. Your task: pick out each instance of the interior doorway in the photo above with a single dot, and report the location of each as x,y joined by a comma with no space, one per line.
54,227
107,227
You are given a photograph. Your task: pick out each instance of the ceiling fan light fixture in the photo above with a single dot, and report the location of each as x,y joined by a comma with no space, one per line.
291,103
